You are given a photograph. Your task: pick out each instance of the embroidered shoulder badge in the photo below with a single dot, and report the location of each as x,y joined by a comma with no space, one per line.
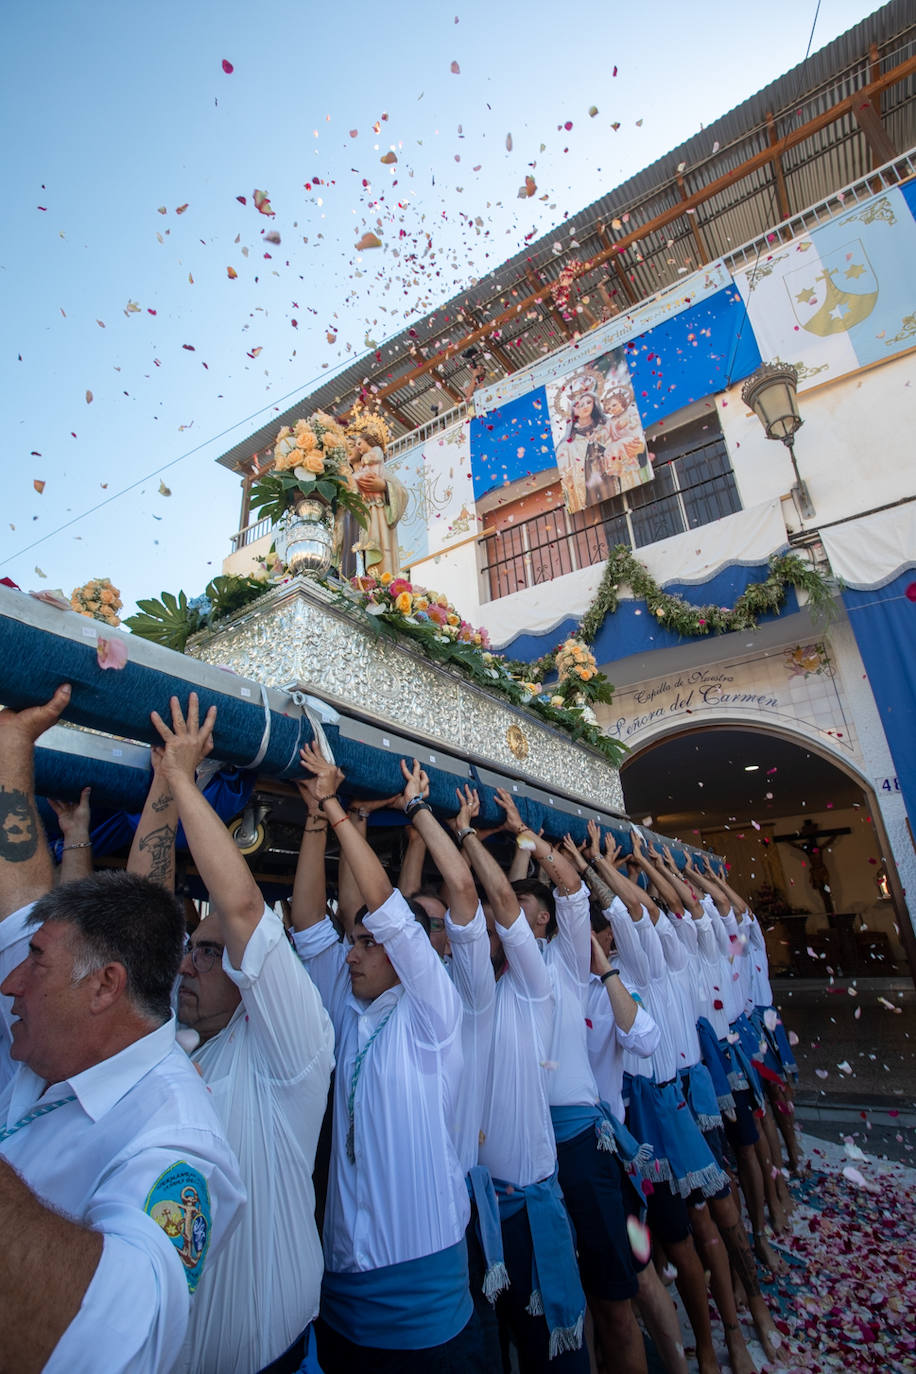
179,1202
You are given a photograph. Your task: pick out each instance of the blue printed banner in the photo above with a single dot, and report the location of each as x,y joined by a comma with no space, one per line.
702,351
512,441
840,297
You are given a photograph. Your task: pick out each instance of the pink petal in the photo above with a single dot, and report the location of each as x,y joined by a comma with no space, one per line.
112,653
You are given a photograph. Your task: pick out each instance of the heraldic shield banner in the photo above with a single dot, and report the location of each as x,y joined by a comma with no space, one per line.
836,299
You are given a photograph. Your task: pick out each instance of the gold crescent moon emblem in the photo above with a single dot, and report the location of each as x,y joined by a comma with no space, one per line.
517,741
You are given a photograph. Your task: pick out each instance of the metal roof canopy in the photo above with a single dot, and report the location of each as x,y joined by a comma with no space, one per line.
824,124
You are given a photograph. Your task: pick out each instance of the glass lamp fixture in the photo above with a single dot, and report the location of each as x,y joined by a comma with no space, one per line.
771,394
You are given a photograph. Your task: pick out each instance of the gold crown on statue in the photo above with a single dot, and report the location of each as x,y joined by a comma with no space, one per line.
370,423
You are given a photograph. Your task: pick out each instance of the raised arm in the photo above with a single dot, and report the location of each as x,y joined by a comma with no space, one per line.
718,880
76,850
496,884
410,878
152,850
562,873
234,894
704,883
631,894
370,876
462,891
622,1004
26,870
685,897
309,901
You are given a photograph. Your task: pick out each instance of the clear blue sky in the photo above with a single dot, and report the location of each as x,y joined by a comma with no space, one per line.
113,110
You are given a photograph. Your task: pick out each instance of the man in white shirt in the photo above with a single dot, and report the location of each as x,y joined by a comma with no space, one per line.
395,1295
589,1171
117,1187
266,1052
544,1305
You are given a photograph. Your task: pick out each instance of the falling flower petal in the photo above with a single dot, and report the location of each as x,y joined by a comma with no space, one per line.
89,398
231,273
388,158
262,203
368,240
509,143
112,653
228,67
180,209
163,489
639,1238
592,111
455,68
38,485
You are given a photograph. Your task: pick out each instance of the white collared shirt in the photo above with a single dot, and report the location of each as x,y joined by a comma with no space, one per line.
471,972
757,960
607,1042
268,1071
518,1143
645,973
141,1122
570,1081
405,1196
725,929
682,984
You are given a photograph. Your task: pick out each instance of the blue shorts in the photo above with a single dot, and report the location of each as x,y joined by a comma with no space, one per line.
592,1182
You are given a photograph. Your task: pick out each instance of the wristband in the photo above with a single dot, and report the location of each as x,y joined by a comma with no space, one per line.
463,834
611,973
82,844
332,796
416,804
335,824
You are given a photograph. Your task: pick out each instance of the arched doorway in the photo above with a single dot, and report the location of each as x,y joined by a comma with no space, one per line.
801,830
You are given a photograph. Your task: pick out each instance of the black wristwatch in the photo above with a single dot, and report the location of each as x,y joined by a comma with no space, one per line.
612,972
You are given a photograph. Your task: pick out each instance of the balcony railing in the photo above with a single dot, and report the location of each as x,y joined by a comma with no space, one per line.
251,533
687,491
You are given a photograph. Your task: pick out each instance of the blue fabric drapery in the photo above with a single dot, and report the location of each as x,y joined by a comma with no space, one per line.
883,620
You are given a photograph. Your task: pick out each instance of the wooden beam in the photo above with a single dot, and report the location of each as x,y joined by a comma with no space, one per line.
876,136
499,353
551,304
874,73
394,413
752,164
692,221
622,277
453,395
782,195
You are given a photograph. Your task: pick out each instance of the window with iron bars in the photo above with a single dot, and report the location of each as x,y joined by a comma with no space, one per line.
692,486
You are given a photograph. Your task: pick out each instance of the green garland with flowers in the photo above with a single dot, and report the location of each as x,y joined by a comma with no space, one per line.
397,609
682,617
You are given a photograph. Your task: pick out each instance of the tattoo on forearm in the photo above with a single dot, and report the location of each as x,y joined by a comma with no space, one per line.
159,844
20,827
162,803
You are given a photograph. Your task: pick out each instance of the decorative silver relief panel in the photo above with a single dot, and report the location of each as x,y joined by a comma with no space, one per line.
299,636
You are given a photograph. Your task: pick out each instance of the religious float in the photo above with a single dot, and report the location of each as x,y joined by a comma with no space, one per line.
301,662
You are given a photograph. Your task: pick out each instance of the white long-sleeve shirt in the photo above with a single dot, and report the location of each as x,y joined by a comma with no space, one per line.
405,1196
725,930
645,973
471,972
682,985
568,955
607,1042
268,1073
758,960
139,1148
518,1143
